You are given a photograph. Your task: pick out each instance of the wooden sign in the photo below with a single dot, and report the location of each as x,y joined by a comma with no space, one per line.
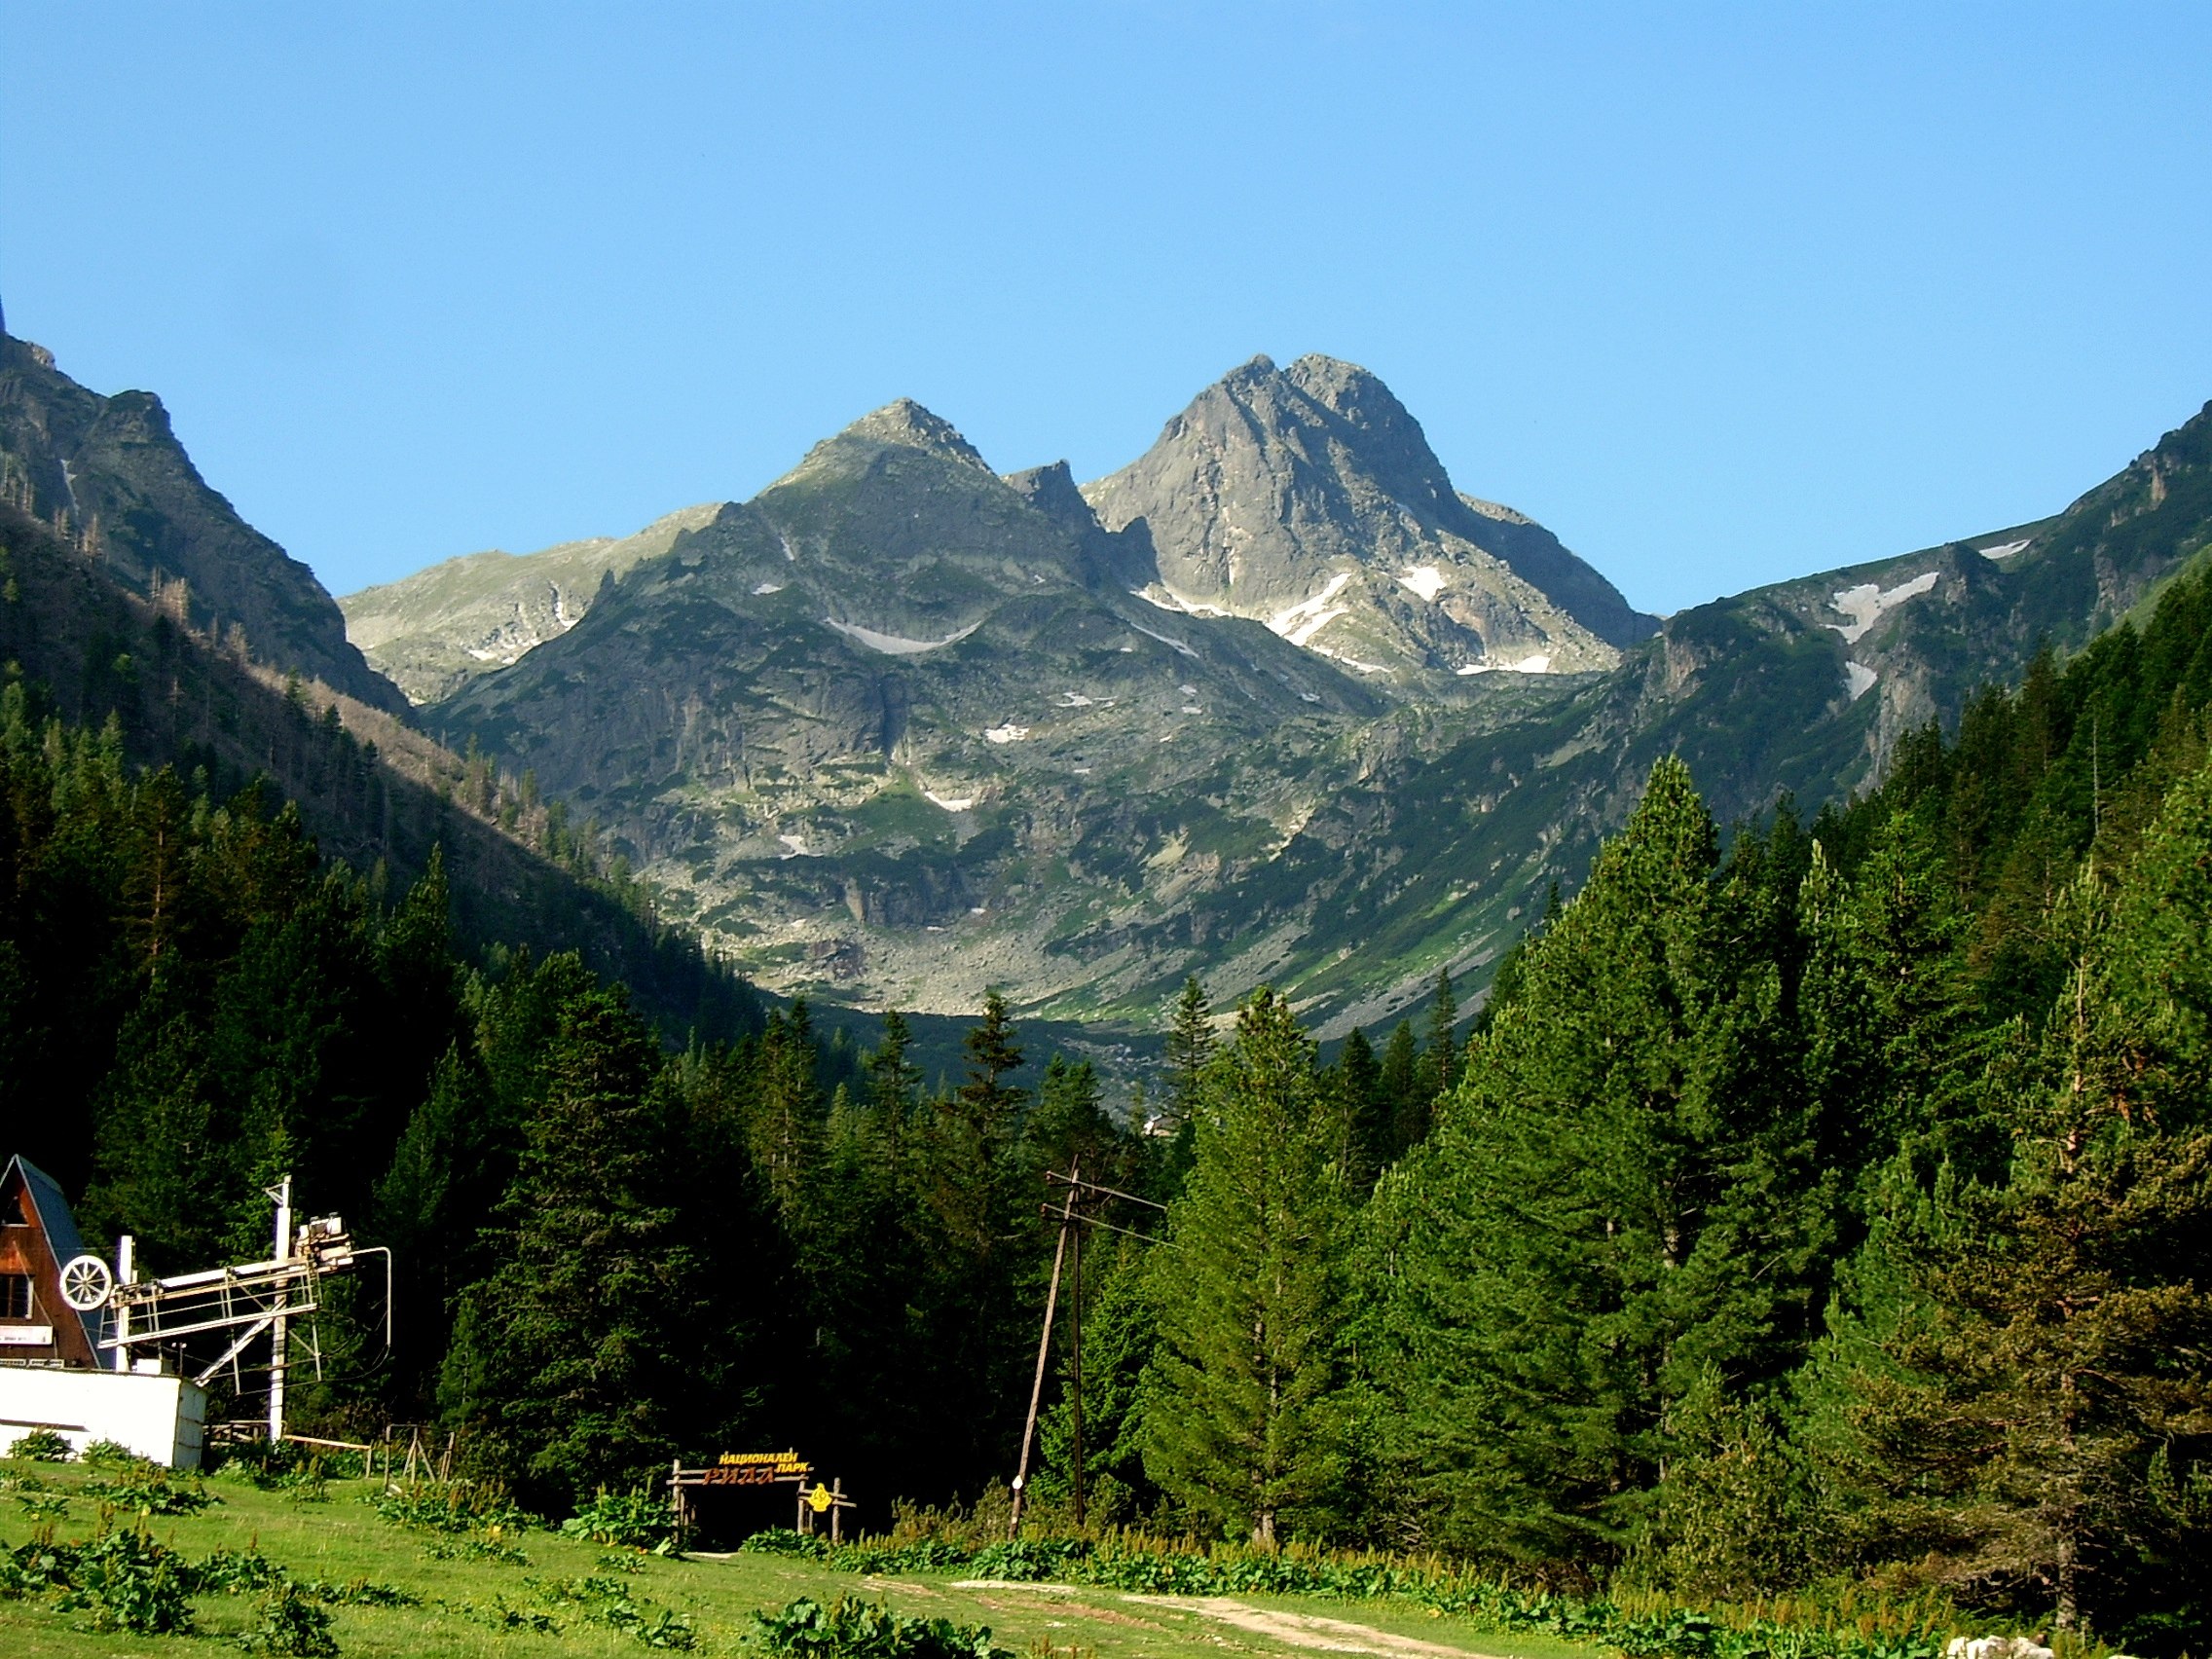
751,1469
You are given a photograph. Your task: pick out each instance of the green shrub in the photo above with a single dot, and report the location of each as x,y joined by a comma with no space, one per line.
853,1629
108,1452
41,1446
235,1572
452,1506
606,1601
782,1541
38,1565
635,1519
671,1631
44,1506
152,1490
128,1582
289,1621
360,1593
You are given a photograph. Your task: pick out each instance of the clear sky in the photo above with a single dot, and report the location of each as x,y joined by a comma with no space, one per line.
1721,294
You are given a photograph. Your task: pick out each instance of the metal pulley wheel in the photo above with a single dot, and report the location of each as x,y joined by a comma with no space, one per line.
87,1282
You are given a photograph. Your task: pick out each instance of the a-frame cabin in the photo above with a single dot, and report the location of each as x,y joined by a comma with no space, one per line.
51,1375
37,1236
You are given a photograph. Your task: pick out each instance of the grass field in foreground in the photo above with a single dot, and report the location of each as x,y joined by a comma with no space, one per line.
343,1539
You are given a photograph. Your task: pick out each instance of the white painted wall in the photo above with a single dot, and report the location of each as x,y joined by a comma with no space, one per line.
156,1417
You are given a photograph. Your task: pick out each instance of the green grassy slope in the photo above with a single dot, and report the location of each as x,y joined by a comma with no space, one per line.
463,1606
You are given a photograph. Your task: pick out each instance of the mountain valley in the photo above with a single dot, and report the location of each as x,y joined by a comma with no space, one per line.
901,729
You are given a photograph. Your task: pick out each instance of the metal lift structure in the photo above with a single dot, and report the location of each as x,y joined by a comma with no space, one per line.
252,1298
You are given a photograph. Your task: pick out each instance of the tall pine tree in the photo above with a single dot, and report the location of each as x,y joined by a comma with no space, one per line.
1242,1428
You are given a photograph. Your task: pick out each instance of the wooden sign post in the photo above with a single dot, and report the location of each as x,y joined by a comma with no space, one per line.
760,1468
830,1500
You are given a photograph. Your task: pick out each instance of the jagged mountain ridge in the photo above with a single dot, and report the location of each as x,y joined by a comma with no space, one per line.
109,476
1309,497
906,825
868,696
898,728
432,631
1323,460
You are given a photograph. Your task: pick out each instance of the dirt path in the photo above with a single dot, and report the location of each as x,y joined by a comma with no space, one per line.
1294,1630
1305,1630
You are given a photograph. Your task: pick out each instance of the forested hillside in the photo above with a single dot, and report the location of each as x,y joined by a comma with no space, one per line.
1828,1201
374,793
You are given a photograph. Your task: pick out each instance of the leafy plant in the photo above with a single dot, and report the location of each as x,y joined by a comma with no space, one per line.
128,1582
854,1629
606,1601
150,1490
110,1451
634,1518
360,1593
452,1506
44,1506
235,1572
41,1446
289,1621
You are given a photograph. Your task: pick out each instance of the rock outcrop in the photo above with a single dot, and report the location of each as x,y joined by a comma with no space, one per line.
1309,499
108,474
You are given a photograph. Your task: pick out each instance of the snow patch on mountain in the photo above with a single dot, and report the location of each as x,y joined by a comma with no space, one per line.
1309,617
1426,581
1865,604
895,645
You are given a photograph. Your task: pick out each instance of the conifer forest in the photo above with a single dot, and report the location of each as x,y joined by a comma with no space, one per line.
1821,1194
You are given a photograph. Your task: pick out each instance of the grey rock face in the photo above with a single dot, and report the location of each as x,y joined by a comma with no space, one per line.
110,475
897,720
435,631
1307,497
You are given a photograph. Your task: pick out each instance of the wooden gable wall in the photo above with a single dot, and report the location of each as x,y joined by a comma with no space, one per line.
27,1247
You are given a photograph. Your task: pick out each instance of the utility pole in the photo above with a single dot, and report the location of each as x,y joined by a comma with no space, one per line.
1044,1352
125,1269
1075,1184
281,1192
1075,1354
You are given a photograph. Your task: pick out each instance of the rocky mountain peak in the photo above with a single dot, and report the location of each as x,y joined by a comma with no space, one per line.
108,476
906,424
1309,497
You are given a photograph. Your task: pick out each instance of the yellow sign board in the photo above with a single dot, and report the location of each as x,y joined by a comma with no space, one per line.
756,1468
818,1498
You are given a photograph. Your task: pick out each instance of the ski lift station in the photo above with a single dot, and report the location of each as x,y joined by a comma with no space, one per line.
90,1350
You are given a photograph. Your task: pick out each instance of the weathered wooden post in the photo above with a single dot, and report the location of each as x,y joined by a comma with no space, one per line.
1044,1352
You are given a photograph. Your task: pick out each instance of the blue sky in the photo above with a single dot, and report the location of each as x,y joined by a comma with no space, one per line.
1721,294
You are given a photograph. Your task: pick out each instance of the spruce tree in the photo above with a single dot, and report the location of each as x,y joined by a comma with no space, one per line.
1441,1059
1119,1336
2034,1377
1620,1195
1402,1089
1190,1045
570,1369
893,1080
1363,1109
784,1118
1242,1429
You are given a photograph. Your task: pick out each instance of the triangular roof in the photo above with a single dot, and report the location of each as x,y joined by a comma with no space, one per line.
54,1219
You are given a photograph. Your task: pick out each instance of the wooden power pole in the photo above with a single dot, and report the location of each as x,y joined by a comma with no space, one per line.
1043,1353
